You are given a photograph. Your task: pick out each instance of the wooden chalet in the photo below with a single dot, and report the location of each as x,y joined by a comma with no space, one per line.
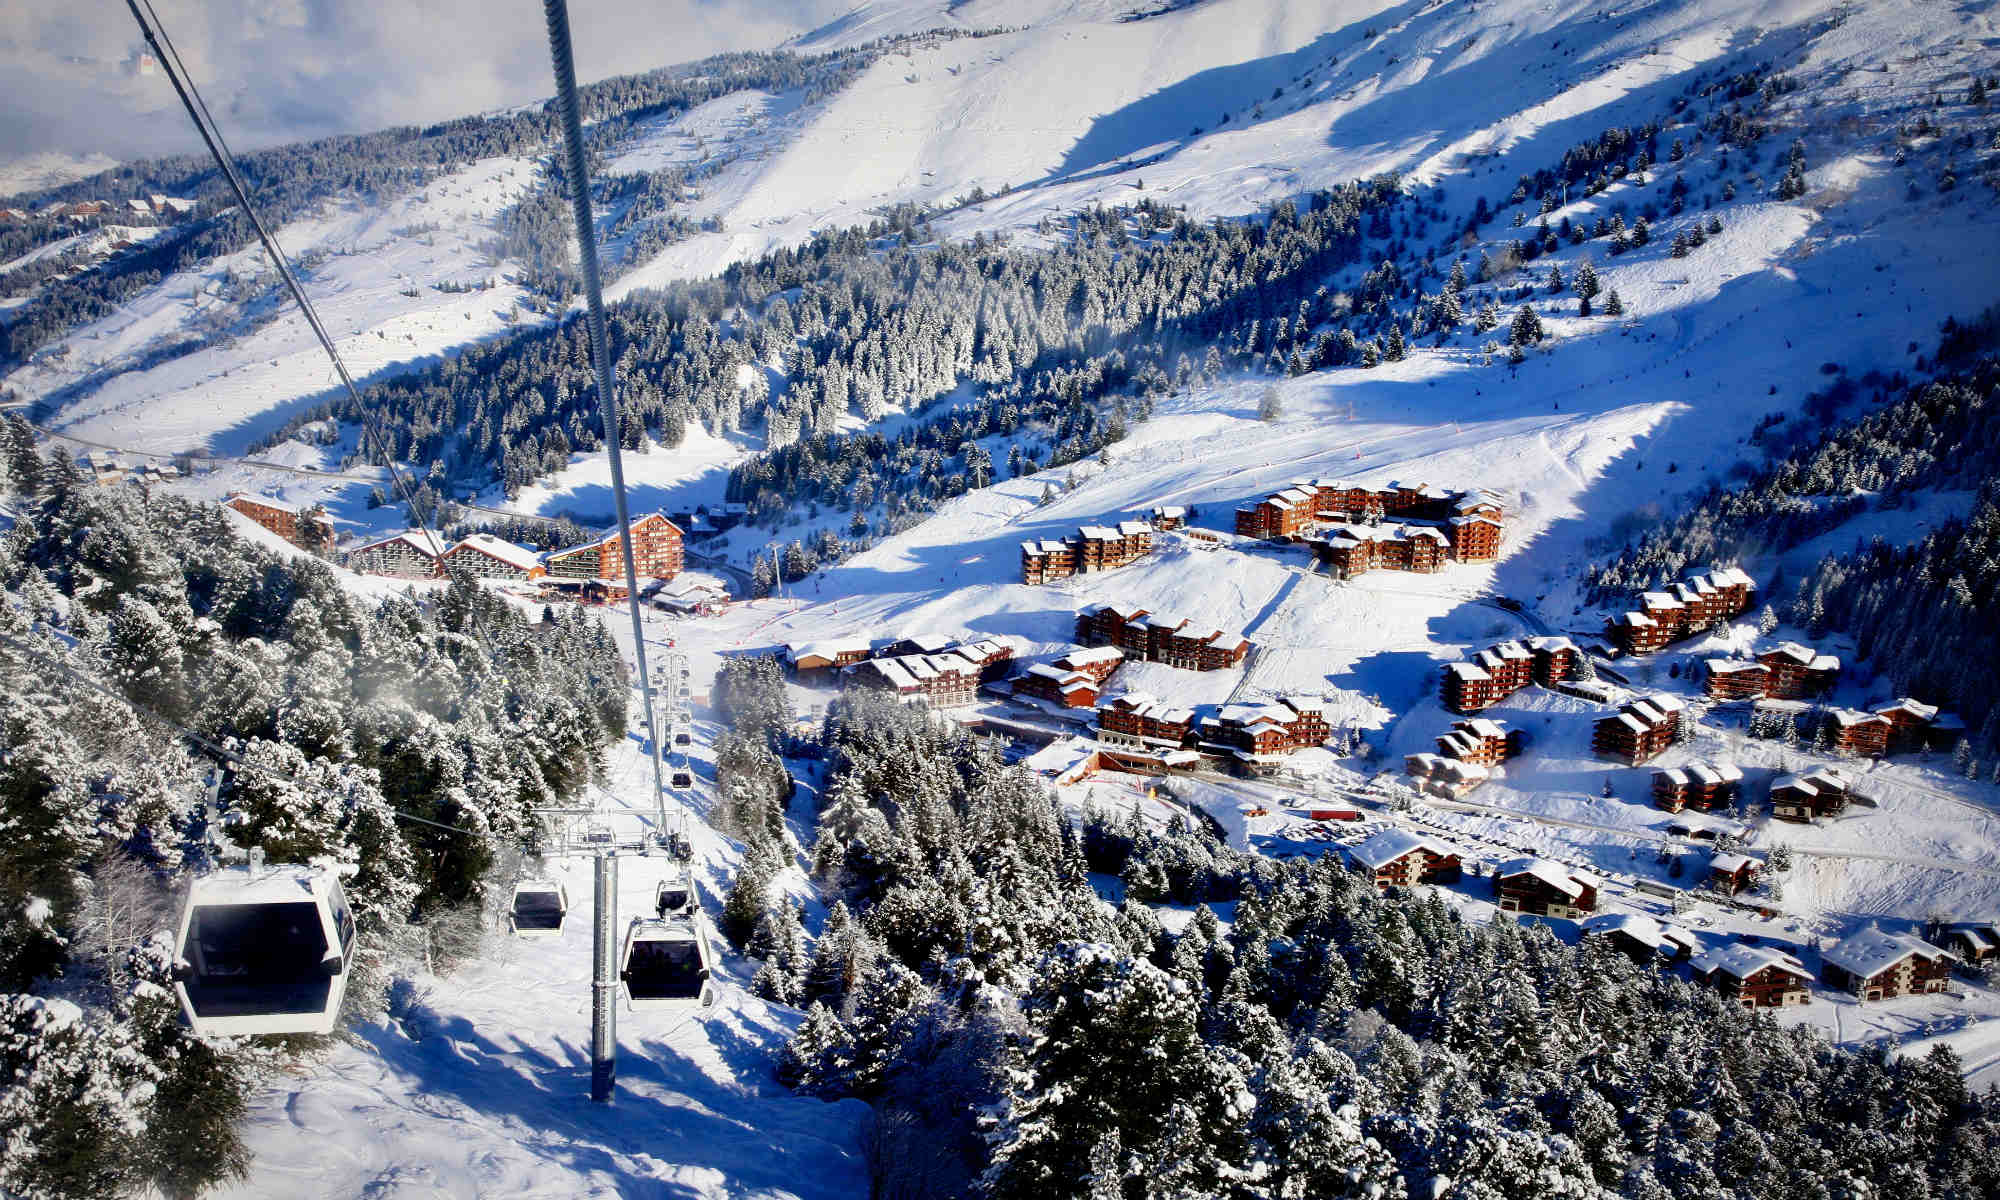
1973,941
1642,938
814,662
1480,740
1754,976
1442,776
1538,887
1700,785
1474,538
1911,725
1351,550
411,554
658,552
1682,610
993,656
1098,662
940,680
1401,858
1875,965
1639,730
484,556
273,514
1051,684
1500,670
1798,672
1861,734
1161,637
1730,873
1136,720
1045,560
1169,517
1735,679
1812,795
1257,738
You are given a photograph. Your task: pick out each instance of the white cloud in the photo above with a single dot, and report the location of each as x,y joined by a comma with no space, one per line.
277,70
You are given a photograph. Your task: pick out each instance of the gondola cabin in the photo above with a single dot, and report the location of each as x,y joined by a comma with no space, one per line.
674,895
683,738
538,909
681,780
666,964
264,951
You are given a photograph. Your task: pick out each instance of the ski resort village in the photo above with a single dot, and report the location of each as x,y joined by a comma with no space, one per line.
1004,600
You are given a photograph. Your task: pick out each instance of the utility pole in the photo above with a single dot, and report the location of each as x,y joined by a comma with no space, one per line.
604,980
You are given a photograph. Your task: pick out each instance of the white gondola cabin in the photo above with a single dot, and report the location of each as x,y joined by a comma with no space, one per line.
667,964
539,907
675,894
264,951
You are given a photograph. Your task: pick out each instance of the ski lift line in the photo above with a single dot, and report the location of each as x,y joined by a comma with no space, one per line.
562,61
218,148
78,677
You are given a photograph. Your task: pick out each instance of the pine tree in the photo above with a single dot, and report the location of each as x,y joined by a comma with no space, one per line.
1526,329
1270,406
1613,306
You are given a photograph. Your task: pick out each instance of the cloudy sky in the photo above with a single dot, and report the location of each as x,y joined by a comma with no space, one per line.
276,70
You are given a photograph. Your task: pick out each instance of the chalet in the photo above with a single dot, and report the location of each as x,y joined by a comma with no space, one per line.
1259,737
1703,786
1684,609
1351,550
1400,858
1443,776
1052,684
1104,624
992,656
940,680
1732,873
1137,720
1160,637
658,552
917,643
1169,517
1798,672
1736,679
1973,941
1754,976
1555,659
1861,734
1474,538
1065,761
1875,965
1045,561
1288,514
484,556
691,597
1639,730
407,555
818,661
1642,937
1480,740
1500,670
1098,662
1821,793
1538,887
1911,725
275,515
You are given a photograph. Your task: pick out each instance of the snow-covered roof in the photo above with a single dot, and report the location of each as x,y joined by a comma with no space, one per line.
1730,864
1551,645
1170,510
1084,656
1659,600
1133,528
1739,960
1467,671
1555,875
1229,641
1873,951
1909,707
1730,577
493,547
1483,727
1666,702
422,542
1802,655
829,650
1305,704
1640,928
263,501
1731,666
1391,844
1847,718
1636,620
1058,757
